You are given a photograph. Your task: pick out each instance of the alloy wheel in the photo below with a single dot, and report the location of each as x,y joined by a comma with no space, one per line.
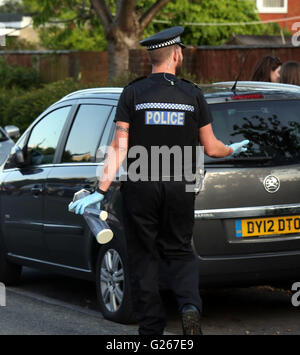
112,280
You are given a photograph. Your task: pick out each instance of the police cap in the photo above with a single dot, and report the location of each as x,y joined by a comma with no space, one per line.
166,38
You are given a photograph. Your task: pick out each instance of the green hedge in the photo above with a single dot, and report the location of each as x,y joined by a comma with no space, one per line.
17,76
21,108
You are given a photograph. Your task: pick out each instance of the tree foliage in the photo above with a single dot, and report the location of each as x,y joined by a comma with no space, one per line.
75,24
214,11
67,24
78,37
12,6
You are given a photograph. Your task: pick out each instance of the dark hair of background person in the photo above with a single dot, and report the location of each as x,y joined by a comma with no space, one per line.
290,73
264,67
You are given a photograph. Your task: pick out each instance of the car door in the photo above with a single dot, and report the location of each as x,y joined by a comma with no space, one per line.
23,189
65,232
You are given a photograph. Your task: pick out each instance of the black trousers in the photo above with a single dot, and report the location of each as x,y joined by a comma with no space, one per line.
158,220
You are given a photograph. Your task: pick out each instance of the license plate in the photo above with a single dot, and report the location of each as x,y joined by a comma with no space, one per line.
267,226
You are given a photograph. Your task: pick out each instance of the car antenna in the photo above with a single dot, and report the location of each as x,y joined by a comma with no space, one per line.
233,89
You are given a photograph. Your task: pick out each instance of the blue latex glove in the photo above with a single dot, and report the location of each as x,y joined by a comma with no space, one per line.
239,147
81,204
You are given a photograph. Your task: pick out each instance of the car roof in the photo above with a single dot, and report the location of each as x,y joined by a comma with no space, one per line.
104,92
249,90
257,86
216,92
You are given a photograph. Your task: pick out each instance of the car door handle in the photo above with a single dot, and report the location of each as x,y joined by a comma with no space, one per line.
37,189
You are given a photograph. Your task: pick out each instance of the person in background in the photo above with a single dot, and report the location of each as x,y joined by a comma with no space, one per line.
290,73
267,69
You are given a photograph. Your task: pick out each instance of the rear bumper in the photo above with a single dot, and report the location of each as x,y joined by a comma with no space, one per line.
226,260
246,270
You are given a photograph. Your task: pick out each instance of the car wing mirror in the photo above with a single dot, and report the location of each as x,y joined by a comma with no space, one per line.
18,157
13,132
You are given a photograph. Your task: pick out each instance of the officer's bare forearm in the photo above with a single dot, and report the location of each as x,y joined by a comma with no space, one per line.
115,157
212,146
218,150
116,154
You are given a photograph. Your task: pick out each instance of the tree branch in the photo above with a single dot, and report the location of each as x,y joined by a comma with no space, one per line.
103,12
147,17
125,14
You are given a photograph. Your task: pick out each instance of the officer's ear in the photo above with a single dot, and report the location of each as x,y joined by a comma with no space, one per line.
176,53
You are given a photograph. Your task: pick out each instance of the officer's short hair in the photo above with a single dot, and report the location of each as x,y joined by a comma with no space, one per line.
161,55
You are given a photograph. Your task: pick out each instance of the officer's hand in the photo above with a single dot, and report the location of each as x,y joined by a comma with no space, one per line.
81,204
239,147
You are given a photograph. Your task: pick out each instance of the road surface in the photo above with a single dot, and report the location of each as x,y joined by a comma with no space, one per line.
46,303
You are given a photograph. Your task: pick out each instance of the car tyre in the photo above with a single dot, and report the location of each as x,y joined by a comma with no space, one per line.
113,285
9,273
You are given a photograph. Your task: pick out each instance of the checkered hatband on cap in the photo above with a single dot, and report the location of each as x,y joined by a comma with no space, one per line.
170,42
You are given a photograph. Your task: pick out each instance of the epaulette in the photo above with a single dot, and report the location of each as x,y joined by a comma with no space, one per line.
135,80
194,84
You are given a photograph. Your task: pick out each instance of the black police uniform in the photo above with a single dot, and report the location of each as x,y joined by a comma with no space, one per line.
162,110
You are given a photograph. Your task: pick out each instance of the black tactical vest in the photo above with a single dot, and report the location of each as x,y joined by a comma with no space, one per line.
165,117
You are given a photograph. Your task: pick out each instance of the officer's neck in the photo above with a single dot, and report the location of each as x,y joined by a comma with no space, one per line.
163,69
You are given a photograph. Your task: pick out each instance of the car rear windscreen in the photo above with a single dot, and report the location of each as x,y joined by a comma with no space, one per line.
272,127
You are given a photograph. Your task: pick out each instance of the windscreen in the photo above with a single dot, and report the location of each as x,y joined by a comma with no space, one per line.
272,127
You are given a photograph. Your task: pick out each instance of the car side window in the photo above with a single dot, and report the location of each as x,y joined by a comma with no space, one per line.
106,138
86,133
44,136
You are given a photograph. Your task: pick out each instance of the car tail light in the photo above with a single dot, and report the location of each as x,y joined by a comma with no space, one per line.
247,97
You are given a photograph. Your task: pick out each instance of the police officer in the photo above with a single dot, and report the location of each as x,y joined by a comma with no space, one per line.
160,110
